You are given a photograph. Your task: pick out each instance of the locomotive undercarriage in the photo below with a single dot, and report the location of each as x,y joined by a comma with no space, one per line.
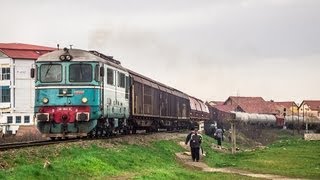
110,127
65,130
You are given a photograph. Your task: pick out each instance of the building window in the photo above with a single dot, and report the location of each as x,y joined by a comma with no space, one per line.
110,76
18,119
5,94
9,119
5,73
26,119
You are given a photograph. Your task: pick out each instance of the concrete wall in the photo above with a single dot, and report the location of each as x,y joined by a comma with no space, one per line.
312,136
24,87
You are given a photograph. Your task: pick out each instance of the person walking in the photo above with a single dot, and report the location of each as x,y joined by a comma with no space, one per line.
194,139
219,135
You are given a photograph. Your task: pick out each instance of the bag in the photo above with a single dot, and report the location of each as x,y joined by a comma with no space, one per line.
215,136
195,140
218,134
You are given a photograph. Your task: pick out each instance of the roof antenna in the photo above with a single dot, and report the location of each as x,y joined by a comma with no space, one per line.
58,46
70,46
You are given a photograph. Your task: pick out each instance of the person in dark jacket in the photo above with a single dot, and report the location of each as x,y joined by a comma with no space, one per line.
194,139
219,135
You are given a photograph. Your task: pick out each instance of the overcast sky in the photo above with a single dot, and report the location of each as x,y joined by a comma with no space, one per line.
210,49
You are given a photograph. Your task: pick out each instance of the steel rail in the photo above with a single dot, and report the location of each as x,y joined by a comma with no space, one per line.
7,146
17,145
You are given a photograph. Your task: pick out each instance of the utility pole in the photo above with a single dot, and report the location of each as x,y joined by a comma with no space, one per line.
305,119
292,119
284,118
298,120
233,135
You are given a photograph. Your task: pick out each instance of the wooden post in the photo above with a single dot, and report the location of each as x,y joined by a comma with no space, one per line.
233,136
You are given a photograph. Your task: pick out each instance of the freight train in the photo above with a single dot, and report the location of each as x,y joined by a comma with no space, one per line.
86,93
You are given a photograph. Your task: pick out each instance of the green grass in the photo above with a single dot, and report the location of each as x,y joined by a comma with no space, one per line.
153,161
290,156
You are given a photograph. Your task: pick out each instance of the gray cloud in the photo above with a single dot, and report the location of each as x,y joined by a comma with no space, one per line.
209,49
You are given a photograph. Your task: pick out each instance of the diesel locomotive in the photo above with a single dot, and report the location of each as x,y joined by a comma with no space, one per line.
86,93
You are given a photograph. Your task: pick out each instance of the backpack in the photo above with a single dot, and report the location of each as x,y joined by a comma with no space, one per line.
195,140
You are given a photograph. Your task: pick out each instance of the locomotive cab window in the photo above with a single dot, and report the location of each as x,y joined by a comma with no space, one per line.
80,73
121,80
110,76
50,73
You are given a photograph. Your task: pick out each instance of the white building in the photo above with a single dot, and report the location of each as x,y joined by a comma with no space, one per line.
16,86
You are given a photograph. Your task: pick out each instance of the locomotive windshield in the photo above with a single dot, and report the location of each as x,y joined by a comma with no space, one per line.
80,73
50,73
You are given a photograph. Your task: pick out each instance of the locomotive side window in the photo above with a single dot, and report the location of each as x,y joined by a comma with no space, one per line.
97,73
110,76
80,73
121,80
127,88
50,73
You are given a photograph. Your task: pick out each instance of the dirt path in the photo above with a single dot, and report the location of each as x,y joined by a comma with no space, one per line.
185,159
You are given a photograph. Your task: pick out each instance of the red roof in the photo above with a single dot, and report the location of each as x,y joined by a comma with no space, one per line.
313,104
274,108
225,108
250,104
23,51
286,104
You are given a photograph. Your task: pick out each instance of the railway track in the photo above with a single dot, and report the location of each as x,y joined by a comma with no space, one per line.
7,146
17,145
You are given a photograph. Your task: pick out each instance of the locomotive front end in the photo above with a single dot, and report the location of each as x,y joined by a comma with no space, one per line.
67,93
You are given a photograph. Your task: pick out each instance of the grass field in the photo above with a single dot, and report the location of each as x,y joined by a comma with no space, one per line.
290,156
153,161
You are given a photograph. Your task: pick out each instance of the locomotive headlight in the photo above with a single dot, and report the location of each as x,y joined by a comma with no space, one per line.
62,57
68,57
84,100
45,100
65,57
64,91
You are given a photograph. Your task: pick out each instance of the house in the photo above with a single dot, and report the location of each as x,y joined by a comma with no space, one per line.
287,108
250,105
16,86
310,109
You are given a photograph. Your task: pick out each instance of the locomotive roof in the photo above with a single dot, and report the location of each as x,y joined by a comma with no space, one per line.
79,55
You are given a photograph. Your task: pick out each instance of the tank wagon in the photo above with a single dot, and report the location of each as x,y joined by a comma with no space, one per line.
80,93
262,119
